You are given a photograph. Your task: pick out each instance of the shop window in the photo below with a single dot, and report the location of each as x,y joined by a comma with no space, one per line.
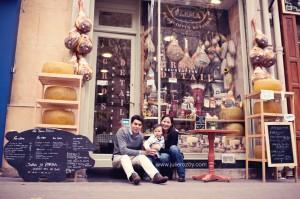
200,58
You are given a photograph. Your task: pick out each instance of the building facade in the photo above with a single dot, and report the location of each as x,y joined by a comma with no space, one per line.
189,79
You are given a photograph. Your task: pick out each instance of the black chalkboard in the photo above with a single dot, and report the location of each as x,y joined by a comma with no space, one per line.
280,144
47,153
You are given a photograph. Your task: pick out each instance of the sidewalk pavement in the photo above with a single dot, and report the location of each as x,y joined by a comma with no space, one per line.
104,187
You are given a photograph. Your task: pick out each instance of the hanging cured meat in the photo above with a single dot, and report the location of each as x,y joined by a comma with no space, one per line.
269,57
82,22
174,51
260,38
71,41
186,62
84,45
256,56
84,69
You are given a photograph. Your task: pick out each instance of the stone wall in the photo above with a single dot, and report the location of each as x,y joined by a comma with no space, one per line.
43,25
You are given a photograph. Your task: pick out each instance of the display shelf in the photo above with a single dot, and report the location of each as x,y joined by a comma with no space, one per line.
264,115
253,138
277,95
64,80
184,120
212,120
70,127
60,79
46,103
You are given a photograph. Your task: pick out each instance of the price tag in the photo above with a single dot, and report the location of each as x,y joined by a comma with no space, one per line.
172,80
266,95
289,117
150,82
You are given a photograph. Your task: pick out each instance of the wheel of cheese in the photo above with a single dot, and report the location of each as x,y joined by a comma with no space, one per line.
60,93
58,67
257,152
236,127
269,107
231,113
267,84
58,116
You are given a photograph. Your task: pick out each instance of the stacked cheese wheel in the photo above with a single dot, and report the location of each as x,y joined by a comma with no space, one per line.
59,116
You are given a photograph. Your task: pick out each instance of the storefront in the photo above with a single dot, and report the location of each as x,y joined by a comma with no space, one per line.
203,49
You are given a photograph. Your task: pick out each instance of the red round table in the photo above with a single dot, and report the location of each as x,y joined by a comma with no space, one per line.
211,176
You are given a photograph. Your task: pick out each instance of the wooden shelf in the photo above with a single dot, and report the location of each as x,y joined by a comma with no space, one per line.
60,79
257,160
184,120
255,136
277,94
264,115
46,103
150,118
71,127
223,121
67,80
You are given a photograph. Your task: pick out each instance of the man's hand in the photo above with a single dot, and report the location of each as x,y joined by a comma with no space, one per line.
150,152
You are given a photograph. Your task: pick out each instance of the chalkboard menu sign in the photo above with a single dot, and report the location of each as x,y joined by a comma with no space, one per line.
200,122
280,144
290,6
47,153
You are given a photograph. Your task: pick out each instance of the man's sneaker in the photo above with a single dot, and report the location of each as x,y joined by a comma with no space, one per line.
135,179
181,179
158,179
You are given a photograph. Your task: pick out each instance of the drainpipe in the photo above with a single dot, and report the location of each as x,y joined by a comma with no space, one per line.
266,25
279,51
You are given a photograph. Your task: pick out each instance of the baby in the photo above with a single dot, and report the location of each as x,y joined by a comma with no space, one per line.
156,141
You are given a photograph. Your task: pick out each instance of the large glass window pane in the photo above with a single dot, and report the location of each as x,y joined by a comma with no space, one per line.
112,90
200,70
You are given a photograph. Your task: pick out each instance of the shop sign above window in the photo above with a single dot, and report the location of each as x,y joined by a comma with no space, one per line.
187,17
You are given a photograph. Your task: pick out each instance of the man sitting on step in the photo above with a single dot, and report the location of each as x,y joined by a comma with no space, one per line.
128,152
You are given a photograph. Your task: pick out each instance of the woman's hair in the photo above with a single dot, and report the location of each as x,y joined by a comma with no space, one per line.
171,118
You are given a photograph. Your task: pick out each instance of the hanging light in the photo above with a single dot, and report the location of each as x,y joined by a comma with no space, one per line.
215,1
105,51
